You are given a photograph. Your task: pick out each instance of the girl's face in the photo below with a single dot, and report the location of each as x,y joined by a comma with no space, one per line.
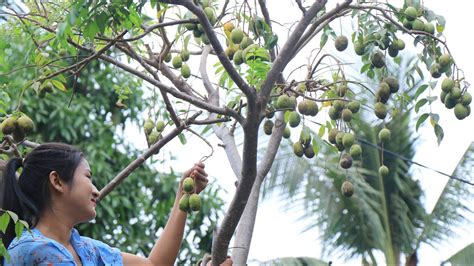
82,194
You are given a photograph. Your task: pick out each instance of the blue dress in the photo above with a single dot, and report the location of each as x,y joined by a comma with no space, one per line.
36,249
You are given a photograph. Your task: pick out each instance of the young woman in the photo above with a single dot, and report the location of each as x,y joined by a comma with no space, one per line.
53,193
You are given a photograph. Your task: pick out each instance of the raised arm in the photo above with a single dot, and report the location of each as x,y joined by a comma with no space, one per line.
167,246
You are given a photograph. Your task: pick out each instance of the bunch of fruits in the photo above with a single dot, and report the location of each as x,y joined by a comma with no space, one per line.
153,131
18,125
190,201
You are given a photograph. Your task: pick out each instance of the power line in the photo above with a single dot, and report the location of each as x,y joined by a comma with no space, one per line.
413,162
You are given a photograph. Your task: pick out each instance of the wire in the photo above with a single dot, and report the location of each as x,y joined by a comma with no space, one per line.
413,162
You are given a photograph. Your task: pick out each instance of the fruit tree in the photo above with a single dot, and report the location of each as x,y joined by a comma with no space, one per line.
245,66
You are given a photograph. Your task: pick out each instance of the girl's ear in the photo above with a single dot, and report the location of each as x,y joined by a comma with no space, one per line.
55,181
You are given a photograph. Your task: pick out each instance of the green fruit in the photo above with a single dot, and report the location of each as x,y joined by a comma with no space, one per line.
286,132
283,102
229,51
338,105
341,43
185,71
333,113
269,112
185,55
383,170
445,60
246,42
407,24
342,90
355,151
383,93
411,13
292,102
354,106
442,96
25,123
195,202
447,85
8,125
392,83
210,15
236,35
238,57
359,48
346,161
188,185
392,50
466,98
312,108
348,140
197,33
456,93
268,127
449,101
205,39
177,61
347,189
399,44
435,70
167,57
346,115
148,126
378,59
429,27
184,203
380,110
332,135
340,138
298,149
384,135
160,126
309,151
303,107
154,137
294,119
460,111
418,25
301,88
305,137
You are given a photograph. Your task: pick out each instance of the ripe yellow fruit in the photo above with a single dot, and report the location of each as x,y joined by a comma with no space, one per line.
229,26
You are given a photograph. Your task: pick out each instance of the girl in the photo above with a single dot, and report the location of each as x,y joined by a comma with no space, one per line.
53,193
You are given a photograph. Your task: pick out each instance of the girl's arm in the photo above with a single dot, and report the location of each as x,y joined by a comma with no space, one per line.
166,248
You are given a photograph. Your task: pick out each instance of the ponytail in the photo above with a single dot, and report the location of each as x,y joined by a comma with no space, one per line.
12,197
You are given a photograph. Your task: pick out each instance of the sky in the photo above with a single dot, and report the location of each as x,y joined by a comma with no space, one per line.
279,234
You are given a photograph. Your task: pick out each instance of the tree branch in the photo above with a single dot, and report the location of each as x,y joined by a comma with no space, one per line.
288,49
117,180
249,92
266,16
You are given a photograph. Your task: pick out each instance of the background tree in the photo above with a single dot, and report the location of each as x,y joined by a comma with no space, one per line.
255,78
90,119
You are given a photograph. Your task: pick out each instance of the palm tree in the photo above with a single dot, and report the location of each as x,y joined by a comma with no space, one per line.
384,214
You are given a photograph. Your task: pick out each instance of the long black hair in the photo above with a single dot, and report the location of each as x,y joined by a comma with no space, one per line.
29,195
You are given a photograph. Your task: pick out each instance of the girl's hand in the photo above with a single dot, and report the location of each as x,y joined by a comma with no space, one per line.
199,175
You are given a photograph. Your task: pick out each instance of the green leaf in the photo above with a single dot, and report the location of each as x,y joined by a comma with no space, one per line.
420,103
439,133
19,229
91,30
182,138
322,129
324,39
3,251
4,221
13,215
58,85
365,68
421,120
420,90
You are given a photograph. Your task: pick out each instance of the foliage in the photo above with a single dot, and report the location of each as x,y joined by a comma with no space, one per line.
262,72
464,257
88,117
5,218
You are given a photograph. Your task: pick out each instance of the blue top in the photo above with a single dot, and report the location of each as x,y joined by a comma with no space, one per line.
36,249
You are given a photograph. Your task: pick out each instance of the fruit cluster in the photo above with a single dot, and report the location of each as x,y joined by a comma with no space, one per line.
153,131
453,97
18,125
190,201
